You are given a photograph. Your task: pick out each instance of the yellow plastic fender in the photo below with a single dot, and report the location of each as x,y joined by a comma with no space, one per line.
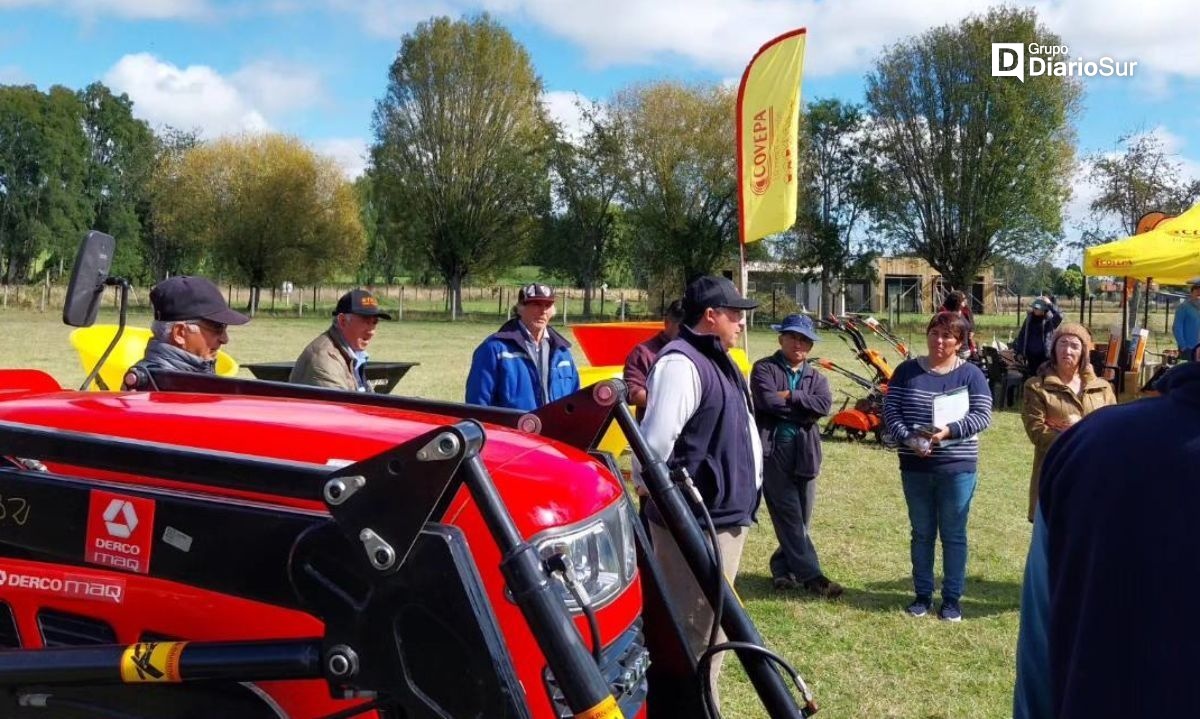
90,342
614,441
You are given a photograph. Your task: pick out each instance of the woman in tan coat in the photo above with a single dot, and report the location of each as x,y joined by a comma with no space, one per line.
1064,390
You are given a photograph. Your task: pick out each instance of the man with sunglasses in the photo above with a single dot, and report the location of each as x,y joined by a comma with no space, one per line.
699,419
189,326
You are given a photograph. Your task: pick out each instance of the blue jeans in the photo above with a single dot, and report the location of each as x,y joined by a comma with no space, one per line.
939,504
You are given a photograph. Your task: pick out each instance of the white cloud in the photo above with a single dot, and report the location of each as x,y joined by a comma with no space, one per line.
278,87
349,152
199,97
563,108
843,36
126,9
193,97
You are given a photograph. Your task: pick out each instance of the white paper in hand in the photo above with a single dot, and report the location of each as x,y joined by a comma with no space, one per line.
950,407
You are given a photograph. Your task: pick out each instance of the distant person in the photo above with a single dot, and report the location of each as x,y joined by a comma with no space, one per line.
338,356
1109,626
956,301
1064,391
1033,339
790,396
939,457
641,357
526,363
189,327
1186,326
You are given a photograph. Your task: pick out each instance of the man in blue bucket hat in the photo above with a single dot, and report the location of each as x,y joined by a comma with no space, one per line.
790,398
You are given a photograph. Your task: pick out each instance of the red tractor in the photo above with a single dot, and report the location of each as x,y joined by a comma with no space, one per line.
224,547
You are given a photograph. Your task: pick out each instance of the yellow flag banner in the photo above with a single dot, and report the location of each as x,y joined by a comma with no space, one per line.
768,123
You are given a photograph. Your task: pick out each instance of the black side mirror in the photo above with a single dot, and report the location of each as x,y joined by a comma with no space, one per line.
92,265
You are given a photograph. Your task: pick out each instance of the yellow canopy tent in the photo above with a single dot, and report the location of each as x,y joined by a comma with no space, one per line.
1169,253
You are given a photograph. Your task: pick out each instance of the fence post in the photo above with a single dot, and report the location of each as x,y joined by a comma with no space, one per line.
622,306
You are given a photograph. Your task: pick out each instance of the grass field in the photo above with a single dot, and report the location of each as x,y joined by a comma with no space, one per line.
861,654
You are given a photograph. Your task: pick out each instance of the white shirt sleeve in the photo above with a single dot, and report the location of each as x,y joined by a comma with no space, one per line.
672,396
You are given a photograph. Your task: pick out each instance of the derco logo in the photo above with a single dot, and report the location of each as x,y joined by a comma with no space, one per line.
122,528
120,531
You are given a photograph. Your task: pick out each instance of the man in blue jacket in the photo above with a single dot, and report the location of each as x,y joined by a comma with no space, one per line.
525,364
1186,326
1109,626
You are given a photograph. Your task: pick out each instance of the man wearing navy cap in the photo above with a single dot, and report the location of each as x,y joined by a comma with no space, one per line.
790,397
337,356
698,419
189,326
525,364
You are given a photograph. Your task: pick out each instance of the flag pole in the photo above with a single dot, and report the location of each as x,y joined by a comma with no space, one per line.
767,130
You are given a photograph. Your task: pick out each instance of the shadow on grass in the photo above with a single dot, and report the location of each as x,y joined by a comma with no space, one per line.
984,597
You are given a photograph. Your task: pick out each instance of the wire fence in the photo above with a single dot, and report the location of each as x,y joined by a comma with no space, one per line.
403,302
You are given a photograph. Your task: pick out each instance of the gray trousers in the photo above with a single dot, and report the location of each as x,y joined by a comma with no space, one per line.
790,499
684,592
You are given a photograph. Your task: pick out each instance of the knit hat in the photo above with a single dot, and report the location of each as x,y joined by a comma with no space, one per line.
1073,329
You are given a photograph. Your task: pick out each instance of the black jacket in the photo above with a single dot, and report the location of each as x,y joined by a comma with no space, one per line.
809,402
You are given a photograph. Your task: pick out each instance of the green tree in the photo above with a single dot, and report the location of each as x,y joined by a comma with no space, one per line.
43,209
837,179
460,148
267,208
120,160
1141,178
167,253
1069,283
583,239
971,165
680,180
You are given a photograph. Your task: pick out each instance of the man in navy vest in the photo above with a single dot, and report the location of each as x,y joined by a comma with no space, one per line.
698,418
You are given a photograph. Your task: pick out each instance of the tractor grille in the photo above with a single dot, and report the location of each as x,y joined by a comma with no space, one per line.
9,637
623,664
60,629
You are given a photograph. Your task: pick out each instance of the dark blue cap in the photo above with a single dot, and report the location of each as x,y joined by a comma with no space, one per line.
799,324
192,298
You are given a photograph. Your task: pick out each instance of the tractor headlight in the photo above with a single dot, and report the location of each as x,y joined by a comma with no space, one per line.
600,553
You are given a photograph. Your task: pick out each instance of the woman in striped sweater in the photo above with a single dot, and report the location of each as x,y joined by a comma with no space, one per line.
938,462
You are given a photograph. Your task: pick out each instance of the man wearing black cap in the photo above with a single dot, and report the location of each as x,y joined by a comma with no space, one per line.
698,418
789,398
190,317
525,364
337,356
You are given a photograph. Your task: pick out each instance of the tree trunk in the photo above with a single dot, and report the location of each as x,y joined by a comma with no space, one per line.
587,299
827,307
455,295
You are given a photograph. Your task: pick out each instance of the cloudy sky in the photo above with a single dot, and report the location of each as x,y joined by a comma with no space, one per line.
314,68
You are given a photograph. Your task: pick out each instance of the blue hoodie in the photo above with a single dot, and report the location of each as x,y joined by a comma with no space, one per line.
1109,625
504,375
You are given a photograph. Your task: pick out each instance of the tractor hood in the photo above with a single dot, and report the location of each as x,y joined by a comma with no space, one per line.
543,483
